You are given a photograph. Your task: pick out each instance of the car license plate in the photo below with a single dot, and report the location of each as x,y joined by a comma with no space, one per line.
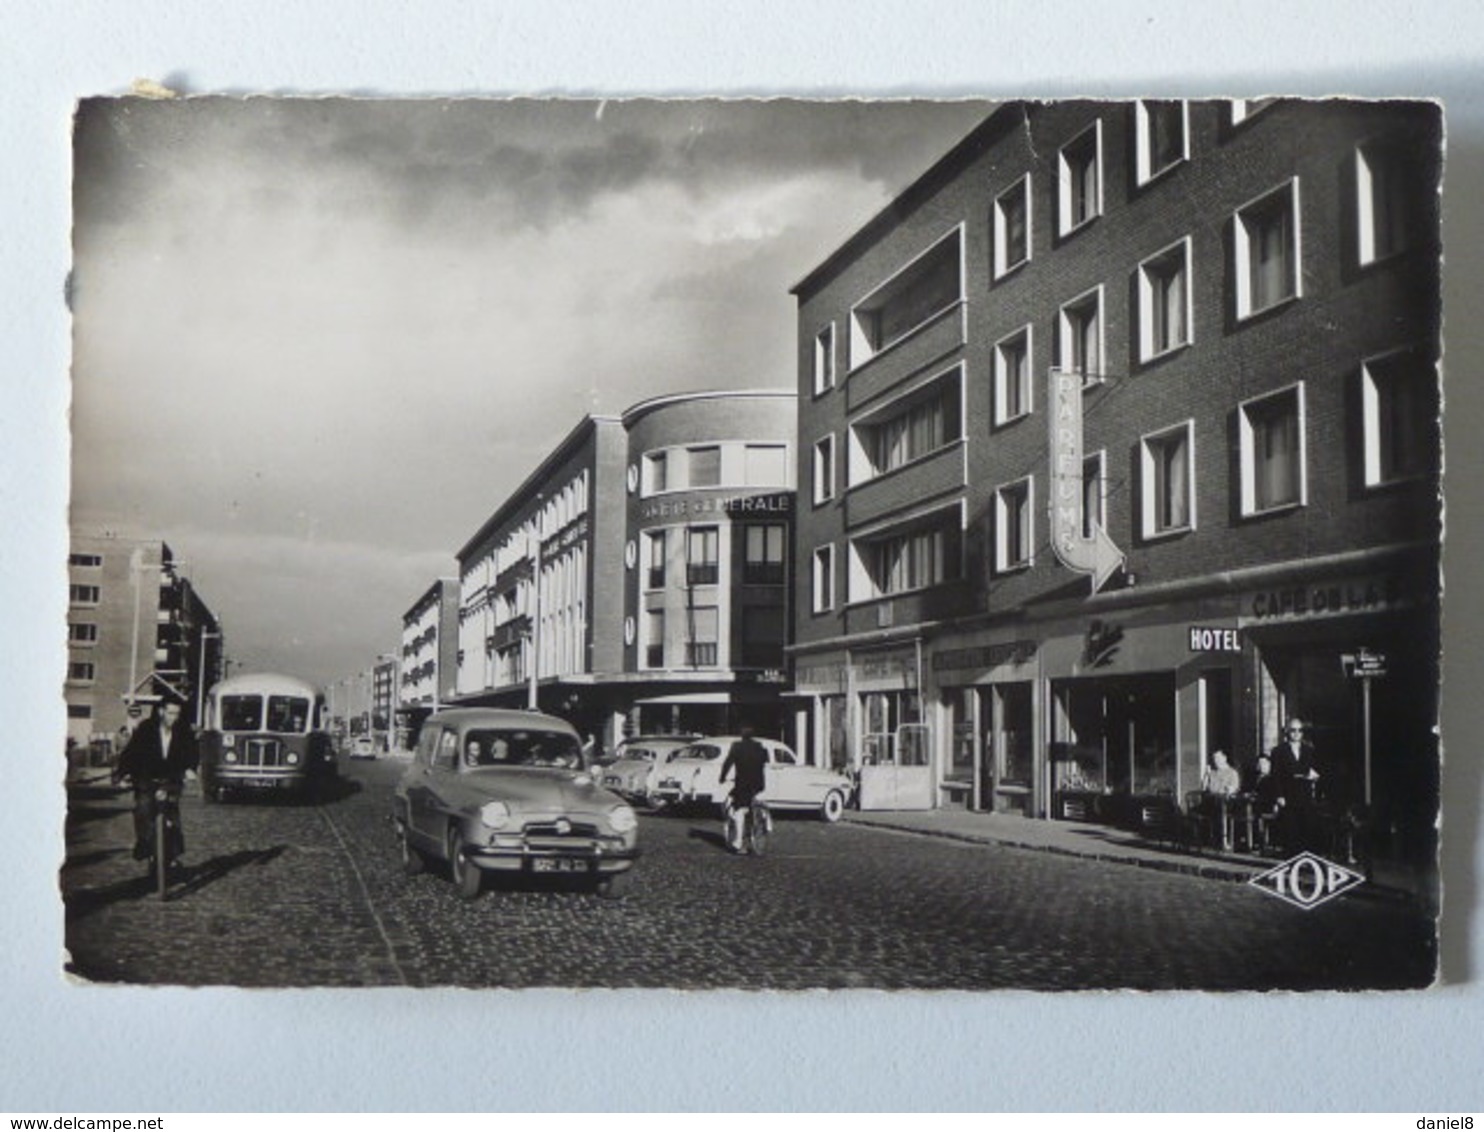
260,783
559,865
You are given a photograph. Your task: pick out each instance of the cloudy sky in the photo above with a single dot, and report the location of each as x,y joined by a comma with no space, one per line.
318,341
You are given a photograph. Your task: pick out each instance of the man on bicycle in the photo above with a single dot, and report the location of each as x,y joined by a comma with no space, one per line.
750,759
160,751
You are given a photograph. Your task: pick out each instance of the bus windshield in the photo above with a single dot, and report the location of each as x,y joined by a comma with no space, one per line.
287,713
242,713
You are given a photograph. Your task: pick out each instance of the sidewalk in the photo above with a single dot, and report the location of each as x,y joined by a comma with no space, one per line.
1107,843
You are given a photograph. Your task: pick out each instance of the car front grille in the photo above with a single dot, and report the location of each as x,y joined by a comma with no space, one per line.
546,829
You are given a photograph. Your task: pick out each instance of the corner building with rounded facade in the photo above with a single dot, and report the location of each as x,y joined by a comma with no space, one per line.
643,570
1244,297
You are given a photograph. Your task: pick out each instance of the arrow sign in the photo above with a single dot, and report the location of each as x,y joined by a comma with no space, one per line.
1096,554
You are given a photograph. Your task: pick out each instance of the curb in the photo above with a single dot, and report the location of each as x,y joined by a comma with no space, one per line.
1207,870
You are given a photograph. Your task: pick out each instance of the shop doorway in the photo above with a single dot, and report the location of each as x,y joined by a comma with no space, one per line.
896,750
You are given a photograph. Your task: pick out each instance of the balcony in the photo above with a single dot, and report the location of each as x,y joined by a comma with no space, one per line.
926,478
934,341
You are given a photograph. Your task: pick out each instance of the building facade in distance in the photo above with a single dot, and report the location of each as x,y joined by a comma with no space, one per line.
430,648
1120,445
137,632
637,579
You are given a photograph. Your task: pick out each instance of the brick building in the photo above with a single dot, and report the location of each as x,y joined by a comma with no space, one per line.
137,631
1230,311
637,579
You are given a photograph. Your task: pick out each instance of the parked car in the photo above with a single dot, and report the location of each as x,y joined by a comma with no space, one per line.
635,770
362,748
500,791
693,775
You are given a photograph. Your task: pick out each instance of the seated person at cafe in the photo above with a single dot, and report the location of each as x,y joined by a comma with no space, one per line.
1220,779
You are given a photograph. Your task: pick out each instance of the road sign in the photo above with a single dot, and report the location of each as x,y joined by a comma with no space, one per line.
1363,664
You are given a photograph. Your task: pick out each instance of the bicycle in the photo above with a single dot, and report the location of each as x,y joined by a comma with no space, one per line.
164,805
755,826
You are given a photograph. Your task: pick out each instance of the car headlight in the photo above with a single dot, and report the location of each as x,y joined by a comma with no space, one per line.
230,756
623,819
494,814
292,758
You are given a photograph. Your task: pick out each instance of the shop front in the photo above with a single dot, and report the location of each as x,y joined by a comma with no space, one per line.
990,694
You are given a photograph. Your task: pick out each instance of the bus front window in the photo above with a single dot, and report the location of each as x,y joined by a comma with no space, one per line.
287,713
242,713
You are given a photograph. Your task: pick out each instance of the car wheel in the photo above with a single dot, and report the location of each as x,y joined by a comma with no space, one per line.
615,886
413,862
466,876
832,809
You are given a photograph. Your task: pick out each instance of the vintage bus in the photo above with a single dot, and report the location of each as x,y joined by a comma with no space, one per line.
264,733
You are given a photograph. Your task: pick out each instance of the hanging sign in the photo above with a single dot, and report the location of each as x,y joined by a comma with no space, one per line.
1094,554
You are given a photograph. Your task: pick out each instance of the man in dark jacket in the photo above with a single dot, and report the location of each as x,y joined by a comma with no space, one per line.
1293,768
161,749
750,760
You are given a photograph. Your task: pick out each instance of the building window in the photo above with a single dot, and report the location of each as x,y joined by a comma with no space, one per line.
762,563
764,465
1272,452
1080,179
824,469
656,569
1381,202
1094,495
910,428
82,633
1165,301
654,638
1012,377
1080,338
80,671
701,556
1267,251
1399,418
1014,526
923,289
824,579
82,595
656,473
1243,109
824,360
86,560
762,636
704,466
1012,227
909,558
1167,472
701,648
1162,132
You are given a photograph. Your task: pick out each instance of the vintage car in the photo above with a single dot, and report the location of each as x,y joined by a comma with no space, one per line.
501,791
693,776
635,770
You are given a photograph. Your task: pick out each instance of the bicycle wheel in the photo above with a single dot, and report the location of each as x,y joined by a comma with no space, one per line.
757,830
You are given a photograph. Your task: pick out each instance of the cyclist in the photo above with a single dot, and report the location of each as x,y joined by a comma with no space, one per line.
750,759
160,751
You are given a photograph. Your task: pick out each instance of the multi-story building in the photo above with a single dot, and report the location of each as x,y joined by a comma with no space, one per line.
1120,436
384,682
137,631
430,647
637,578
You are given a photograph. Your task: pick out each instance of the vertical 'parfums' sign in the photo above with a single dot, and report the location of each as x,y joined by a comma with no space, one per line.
1078,544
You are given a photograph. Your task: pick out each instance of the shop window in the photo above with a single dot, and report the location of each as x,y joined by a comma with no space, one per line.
1012,377
1014,527
1167,467
1164,301
1267,251
762,563
1080,179
824,469
701,556
824,579
824,360
921,291
1012,227
1162,132
702,646
1397,406
1080,336
1013,720
1271,435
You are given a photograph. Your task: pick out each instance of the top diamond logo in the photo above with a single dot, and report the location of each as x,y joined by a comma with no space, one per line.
1307,881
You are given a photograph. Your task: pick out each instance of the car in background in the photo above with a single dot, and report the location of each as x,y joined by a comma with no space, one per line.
362,748
502,791
635,769
692,776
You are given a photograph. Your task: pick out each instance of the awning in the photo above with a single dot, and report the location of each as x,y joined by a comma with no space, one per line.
745,695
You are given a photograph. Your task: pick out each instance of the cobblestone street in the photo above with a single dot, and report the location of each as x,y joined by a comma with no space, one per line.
279,894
